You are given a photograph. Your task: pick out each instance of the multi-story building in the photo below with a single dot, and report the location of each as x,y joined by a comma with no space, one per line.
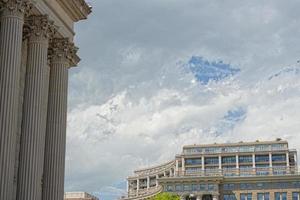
235,171
79,196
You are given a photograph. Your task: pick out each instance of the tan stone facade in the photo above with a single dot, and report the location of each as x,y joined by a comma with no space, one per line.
237,171
36,51
79,196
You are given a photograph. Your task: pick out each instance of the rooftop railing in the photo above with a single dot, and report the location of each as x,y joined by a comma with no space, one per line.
241,172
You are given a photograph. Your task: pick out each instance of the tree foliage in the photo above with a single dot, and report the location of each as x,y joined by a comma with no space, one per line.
165,196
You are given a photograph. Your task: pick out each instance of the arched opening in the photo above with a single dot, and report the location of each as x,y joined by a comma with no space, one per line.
190,198
207,197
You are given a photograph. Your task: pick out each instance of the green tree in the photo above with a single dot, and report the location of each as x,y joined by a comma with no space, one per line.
165,196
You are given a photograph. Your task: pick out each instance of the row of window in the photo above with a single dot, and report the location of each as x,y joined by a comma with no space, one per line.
263,185
250,148
232,159
190,187
263,196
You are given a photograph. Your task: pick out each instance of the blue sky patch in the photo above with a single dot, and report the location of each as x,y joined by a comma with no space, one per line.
206,71
231,119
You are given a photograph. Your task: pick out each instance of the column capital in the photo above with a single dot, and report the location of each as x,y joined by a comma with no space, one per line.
62,50
39,28
15,7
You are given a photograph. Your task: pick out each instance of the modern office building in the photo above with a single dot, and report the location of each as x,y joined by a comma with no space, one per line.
36,52
79,196
235,171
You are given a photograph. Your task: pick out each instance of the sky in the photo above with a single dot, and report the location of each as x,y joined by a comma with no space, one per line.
157,75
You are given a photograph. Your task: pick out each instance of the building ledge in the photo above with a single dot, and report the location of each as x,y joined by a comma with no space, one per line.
76,9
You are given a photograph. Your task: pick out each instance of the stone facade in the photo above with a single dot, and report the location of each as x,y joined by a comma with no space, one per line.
36,51
79,196
237,171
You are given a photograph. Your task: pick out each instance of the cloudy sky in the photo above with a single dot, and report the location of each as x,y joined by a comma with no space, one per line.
158,74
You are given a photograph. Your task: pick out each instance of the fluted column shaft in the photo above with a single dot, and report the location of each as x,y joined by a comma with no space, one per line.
54,168
34,111
12,19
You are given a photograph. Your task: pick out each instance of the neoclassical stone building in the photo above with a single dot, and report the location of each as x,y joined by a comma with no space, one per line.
36,52
266,170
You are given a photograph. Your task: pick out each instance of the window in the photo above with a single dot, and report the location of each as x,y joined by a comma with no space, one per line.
229,197
246,196
277,195
228,186
280,196
245,159
284,196
190,170
212,160
262,158
169,188
280,157
296,184
229,159
295,196
195,187
211,187
282,185
261,185
178,187
263,196
245,186
187,188
279,146
213,150
246,149
262,147
202,187
193,161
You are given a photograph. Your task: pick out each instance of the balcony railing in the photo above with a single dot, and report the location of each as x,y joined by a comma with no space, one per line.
259,171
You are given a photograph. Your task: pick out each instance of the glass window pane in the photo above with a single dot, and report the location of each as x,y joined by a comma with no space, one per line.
295,195
277,195
284,196
267,196
260,196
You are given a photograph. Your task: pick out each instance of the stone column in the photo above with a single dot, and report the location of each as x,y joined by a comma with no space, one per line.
34,110
253,164
288,162
137,187
176,168
270,163
220,164
156,180
182,166
237,164
203,165
63,55
148,182
270,160
11,20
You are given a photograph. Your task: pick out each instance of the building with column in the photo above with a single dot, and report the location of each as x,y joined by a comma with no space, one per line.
36,52
79,196
258,170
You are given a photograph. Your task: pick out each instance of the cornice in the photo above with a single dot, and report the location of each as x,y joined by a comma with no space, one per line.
76,9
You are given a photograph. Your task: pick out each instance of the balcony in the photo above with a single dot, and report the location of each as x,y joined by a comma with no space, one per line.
242,172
